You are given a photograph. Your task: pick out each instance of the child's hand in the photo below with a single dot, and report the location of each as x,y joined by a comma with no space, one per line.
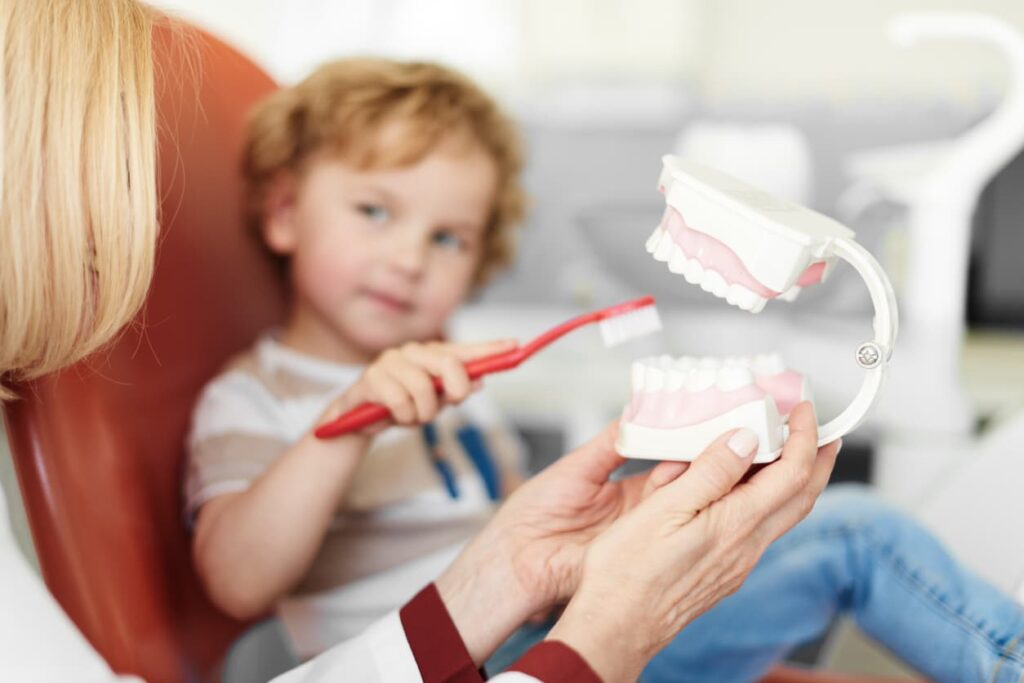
400,379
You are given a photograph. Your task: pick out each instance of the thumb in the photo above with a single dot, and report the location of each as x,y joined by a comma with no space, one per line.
595,460
712,475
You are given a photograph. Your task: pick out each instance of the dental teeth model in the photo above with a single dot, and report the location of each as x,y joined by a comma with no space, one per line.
680,405
746,247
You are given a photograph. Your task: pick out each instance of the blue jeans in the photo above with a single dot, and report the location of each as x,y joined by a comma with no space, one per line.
854,555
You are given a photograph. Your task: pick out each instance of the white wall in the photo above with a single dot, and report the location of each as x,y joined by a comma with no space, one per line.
733,49
808,48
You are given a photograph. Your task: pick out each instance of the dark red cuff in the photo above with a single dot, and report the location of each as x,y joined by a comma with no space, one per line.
435,642
555,662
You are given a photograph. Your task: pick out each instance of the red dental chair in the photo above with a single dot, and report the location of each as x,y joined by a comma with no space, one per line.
98,448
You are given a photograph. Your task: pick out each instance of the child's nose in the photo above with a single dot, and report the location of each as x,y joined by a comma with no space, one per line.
409,256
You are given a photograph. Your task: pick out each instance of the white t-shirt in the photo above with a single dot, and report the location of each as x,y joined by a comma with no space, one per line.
398,527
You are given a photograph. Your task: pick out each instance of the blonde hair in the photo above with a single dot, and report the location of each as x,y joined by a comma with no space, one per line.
78,206
343,108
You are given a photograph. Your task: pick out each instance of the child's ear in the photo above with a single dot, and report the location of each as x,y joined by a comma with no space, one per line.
280,231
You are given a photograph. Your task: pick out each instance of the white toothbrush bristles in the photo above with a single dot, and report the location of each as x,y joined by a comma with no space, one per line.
636,323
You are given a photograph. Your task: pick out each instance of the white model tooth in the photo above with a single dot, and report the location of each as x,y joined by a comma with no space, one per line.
654,239
637,372
701,379
665,361
676,380
768,364
792,293
709,362
694,272
706,281
654,378
677,262
663,252
686,363
731,378
759,304
719,287
741,296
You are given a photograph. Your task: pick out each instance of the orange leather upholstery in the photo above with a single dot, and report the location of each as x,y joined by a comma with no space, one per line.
98,449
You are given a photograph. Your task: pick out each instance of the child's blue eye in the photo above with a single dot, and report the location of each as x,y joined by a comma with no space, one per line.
375,212
448,240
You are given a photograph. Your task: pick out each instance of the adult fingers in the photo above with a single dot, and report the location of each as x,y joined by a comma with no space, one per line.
662,474
778,482
800,504
801,445
712,475
595,460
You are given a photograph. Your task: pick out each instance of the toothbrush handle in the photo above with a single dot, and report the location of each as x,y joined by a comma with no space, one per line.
365,414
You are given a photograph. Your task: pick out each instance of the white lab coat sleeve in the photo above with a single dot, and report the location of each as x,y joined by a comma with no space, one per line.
420,643
38,642
380,653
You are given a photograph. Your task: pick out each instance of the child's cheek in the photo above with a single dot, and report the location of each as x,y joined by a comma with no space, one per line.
451,290
329,277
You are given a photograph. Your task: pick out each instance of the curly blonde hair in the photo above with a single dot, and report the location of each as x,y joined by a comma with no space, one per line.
341,110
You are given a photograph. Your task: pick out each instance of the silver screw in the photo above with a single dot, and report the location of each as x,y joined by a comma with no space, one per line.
869,355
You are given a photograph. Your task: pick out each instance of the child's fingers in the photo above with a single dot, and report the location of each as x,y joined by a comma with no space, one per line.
455,379
441,361
390,393
418,384
468,352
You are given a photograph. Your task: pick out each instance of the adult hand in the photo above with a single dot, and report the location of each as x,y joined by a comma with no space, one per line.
689,544
530,555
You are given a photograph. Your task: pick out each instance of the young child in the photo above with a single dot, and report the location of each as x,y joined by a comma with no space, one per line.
391,191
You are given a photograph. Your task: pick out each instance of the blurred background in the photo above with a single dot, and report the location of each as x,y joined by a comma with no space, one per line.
902,119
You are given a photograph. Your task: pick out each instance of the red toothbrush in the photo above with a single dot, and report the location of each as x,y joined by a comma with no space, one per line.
618,324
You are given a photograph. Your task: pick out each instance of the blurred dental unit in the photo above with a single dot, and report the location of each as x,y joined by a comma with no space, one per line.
901,121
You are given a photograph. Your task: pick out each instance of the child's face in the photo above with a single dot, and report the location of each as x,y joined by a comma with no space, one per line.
381,257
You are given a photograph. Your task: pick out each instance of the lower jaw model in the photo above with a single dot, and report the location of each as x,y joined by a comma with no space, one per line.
680,405
747,248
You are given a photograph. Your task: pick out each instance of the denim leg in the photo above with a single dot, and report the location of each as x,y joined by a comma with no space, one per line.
855,555
525,637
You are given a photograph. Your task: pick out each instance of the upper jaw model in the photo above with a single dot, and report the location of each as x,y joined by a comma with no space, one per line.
746,247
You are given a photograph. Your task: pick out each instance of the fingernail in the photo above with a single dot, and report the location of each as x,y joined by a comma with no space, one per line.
743,442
